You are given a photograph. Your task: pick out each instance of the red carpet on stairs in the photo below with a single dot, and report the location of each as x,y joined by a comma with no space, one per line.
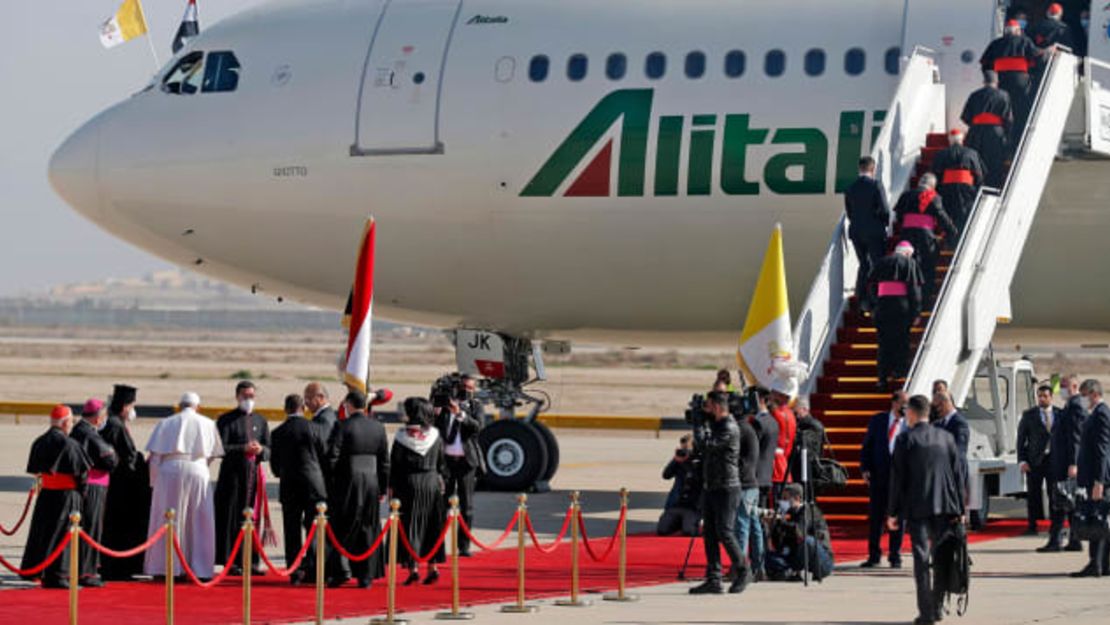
486,578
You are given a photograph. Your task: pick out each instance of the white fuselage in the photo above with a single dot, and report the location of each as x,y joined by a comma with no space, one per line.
494,205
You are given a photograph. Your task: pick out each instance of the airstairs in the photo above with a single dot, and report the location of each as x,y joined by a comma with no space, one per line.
838,340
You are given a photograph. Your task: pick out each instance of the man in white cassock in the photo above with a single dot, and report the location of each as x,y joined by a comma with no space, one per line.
181,449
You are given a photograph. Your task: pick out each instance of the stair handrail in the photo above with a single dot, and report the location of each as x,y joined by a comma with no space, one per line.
976,288
896,150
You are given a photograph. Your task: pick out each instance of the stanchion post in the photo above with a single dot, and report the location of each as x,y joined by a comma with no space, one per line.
74,563
248,555
169,565
391,570
456,613
321,545
522,519
622,555
575,516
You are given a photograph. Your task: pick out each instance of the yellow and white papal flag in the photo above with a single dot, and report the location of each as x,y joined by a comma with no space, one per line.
766,342
128,23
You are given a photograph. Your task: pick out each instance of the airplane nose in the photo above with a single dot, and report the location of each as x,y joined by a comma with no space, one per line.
73,169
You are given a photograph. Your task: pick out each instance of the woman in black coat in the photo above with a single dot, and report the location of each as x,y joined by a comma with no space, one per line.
416,478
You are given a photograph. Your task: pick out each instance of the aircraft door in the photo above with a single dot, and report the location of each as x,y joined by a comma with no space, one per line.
398,101
1098,79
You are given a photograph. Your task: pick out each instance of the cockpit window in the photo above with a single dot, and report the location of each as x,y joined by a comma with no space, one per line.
184,78
195,73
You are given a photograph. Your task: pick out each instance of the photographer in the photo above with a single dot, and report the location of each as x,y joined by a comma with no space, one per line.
786,560
719,447
680,513
459,428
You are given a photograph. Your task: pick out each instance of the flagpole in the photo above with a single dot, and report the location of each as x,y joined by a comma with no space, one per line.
149,36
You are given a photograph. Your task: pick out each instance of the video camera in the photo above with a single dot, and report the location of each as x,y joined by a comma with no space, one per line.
446,388
739,405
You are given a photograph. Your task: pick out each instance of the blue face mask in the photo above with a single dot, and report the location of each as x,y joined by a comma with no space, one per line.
1023,24
1086,24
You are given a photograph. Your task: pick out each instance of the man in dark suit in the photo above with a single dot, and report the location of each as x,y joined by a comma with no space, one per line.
1063,448
470,404
1094,469
297,456
767,431
927,493
878,445
459,430
868,219
1033,435
323,415
954,423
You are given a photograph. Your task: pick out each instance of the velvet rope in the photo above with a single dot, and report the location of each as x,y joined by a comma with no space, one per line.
217,579
435,548
350,556
612,541
124,554
35,570
558,539
286,572
22,517
495,544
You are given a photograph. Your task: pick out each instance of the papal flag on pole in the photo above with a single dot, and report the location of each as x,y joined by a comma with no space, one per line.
356,370
766,347
128,23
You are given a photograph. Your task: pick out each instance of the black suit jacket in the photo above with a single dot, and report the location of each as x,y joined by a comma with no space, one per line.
1064,446
957,426
469,427
1094,450
297,455
326,420
868,212
926,475
1033,437
875,452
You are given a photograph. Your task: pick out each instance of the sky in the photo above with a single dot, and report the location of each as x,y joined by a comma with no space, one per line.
55,76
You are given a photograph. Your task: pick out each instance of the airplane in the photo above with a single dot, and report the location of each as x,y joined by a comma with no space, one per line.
549,170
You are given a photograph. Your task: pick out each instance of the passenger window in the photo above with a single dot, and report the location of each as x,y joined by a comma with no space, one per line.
616,66
774,64
735,62
576,67
855,61
221,73
184,78
695,65
537,68
815,62
893,61
655,65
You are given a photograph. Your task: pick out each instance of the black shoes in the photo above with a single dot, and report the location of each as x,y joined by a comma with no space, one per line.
707,588
365,582
1087,571
1074,546
53,583
235,570
92,581
895,564
336,582
297,578
869,564
921,620
432,577
740,583
1050,548
414,576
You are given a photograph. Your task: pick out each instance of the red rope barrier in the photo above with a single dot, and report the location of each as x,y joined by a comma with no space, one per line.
612,541
124,554
495,544
350,556
217,579
558,539
33,571
286,572
22,517
435,548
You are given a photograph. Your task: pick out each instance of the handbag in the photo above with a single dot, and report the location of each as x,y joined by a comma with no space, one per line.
830,474
1091,521
1062,496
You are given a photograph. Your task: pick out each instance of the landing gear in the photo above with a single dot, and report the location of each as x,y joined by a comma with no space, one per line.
521,453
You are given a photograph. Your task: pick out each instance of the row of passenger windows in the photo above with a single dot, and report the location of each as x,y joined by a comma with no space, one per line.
694,65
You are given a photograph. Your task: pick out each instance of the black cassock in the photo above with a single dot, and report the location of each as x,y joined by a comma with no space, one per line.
54,456
921,215
1013,57
237,484
895,314
959,174
104,460
127,504
989,118
417,481
358,456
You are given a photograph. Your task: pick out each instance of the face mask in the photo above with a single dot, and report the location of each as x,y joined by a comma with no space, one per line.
1085,24
784,505
1023,24
131,414
246,405
1064,393
1085,404
101,425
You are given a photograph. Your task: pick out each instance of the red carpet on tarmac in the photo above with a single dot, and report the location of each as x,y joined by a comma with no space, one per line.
486,578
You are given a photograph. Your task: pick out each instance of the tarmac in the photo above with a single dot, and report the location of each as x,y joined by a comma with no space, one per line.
1011,583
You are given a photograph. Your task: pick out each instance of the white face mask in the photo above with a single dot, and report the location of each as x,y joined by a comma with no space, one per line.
1085,404
246,405
131,414
784,505
1064,393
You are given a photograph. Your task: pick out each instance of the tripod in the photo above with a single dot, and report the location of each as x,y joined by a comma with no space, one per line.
690,549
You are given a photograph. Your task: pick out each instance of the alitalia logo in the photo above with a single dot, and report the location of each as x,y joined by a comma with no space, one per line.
799,165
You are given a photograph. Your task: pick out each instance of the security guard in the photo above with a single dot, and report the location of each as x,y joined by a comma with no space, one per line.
960,172
921,216
989,118
1013,55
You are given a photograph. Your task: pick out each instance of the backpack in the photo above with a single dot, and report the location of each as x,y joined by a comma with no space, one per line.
952,566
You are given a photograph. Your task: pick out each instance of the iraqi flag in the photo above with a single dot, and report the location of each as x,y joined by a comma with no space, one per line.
358,317
190,27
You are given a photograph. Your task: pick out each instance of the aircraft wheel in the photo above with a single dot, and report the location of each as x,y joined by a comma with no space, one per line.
515,453
552,444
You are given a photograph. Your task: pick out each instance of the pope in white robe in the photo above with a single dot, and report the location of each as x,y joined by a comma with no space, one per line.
181,449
